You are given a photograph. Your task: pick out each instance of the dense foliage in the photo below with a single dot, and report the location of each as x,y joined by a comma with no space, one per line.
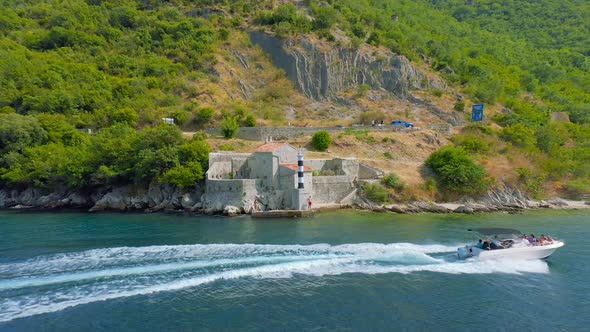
121,66
321,140
59,156
375,192
457,172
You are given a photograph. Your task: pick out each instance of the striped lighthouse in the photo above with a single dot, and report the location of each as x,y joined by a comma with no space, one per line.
300,169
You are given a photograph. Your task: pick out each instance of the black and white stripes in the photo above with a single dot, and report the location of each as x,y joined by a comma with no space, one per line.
300,169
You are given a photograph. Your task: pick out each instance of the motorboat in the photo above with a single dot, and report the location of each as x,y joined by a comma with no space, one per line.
506,243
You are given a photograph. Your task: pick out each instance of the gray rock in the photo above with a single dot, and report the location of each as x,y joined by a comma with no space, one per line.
396,208
557,202
3,199
231,211
113,200
321,71
188,201
463,209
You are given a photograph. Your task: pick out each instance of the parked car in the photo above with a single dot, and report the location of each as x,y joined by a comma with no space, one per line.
402,123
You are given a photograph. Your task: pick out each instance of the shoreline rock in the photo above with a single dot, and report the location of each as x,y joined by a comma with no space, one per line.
170,198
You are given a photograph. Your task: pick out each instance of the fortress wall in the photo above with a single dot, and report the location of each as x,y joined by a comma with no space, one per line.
288,133
331,189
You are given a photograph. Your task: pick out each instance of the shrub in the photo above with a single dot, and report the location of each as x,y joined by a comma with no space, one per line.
250,121
183,175
437,92
229,127
471,143
430,185
125,115
321,140
459,106
579,188
226,147
203,116
362,90
519,135
387,155
457,172
532,183
375,192
393,181
327,172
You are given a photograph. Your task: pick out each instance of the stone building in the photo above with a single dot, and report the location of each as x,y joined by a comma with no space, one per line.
269,175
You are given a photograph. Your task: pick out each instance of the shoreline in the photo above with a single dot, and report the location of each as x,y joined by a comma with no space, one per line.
418,207
167,198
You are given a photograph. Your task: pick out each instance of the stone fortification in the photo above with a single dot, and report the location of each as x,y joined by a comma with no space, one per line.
269,176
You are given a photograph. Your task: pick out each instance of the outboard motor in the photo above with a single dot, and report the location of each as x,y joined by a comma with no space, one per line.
464,252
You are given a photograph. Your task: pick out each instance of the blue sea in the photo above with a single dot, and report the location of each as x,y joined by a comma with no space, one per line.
339,271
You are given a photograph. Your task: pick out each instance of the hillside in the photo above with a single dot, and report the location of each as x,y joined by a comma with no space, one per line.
118,68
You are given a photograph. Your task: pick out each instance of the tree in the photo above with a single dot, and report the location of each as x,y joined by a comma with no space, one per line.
457,172
321,140
183,175
18,132
229,127
203,116
59,130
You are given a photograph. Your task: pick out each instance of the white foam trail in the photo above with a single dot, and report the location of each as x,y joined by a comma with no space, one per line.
100,258
170,268
143,270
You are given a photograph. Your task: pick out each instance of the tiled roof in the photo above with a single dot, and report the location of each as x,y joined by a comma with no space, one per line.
294,167
269,147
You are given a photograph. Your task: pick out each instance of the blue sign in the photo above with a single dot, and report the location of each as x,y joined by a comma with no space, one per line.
477,112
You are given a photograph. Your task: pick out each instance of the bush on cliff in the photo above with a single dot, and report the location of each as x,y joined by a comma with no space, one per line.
375,192
393,181
321,140
457,172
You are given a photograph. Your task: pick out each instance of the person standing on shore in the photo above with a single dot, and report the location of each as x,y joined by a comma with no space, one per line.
309,203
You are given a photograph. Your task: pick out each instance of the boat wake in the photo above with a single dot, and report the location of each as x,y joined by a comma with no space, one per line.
52,283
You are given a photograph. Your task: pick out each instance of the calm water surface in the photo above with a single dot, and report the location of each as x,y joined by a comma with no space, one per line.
345,271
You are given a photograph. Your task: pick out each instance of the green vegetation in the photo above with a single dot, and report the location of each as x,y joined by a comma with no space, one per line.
375,192
119,67
59,156
457,172
393,181
321,140
229,127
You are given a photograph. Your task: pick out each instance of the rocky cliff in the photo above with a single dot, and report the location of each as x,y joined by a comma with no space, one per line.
321,71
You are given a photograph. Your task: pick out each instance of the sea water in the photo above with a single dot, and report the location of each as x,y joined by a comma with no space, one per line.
344,270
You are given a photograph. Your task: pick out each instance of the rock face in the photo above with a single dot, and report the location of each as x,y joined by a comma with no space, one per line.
320,70
123,198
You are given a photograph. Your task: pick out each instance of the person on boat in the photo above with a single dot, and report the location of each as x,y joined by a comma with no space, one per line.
496,244
486,245
532,239
479,244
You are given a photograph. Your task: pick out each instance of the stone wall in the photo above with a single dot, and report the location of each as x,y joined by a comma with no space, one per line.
288,133
367,172
331,189
237,192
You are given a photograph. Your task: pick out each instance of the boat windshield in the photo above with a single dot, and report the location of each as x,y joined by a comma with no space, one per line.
501,232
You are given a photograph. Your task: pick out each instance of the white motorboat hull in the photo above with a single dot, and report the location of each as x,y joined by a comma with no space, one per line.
521,253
